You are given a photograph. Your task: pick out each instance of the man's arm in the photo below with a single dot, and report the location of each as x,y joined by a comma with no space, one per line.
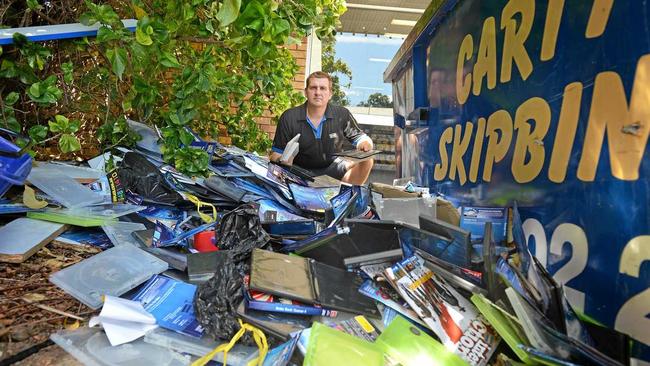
354,134
282,137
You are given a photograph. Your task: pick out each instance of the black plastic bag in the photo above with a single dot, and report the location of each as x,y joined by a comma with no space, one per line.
216,301
240,231
140,176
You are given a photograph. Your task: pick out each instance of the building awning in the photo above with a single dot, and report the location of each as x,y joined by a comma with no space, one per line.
391,18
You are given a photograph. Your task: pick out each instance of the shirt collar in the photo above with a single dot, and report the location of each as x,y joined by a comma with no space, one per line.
328,111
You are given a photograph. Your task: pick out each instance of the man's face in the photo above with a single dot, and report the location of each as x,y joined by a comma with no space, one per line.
318,92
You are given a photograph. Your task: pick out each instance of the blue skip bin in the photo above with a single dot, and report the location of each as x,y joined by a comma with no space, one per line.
15,163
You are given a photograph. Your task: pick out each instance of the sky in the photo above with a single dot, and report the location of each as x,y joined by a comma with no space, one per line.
367,57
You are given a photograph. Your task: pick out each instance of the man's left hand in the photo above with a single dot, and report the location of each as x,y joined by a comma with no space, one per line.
364,145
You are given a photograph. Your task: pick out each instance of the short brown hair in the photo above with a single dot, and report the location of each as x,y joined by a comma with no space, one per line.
319,75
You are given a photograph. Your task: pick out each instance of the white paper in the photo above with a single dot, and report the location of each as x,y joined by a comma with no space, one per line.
123,320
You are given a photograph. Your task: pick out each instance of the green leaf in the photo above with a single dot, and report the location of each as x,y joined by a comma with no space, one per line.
59,125
67,69
117,57
88,19
74,126
293,40
34,91
12,123
61,120
38,133
175,120
11,98
169,60
228,12
126,105
142,37
69,143
19,39
0,50
106,34
186,137
33,4
208,26
139,12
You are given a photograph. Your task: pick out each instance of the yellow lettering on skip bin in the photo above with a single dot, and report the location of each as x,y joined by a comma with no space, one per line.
486,60
530,142
499,134
461,143
551,28
440,169
598,18
514,50
464,85
627,127
566,132
477,150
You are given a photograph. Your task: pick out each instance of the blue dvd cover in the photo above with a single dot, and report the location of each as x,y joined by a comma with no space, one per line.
473,219
171,303
257,300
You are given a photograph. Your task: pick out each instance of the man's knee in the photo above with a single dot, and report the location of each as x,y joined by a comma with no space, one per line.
365,165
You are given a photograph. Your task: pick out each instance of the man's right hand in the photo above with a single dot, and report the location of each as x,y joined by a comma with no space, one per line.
275,157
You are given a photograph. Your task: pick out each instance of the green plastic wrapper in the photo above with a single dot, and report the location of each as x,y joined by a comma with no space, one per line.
329,347
505,324
409,346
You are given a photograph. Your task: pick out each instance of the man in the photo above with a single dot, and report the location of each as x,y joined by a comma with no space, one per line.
322,128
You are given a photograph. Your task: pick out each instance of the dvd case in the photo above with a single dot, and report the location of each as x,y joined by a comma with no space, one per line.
239,355
309,281
91,347
111,272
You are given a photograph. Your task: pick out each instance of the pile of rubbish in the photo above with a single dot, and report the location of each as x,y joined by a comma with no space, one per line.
264,264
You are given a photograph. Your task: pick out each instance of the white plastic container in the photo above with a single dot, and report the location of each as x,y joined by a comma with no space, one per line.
405,210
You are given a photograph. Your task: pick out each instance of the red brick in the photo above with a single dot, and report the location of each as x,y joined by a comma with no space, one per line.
263,120
299,53
298,85
268,128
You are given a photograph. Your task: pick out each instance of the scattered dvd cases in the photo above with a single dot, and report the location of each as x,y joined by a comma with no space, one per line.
280,325
239,355
63,216
64,189
313,199
112,272
309,281
91,347
461,247
120,233
359,237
